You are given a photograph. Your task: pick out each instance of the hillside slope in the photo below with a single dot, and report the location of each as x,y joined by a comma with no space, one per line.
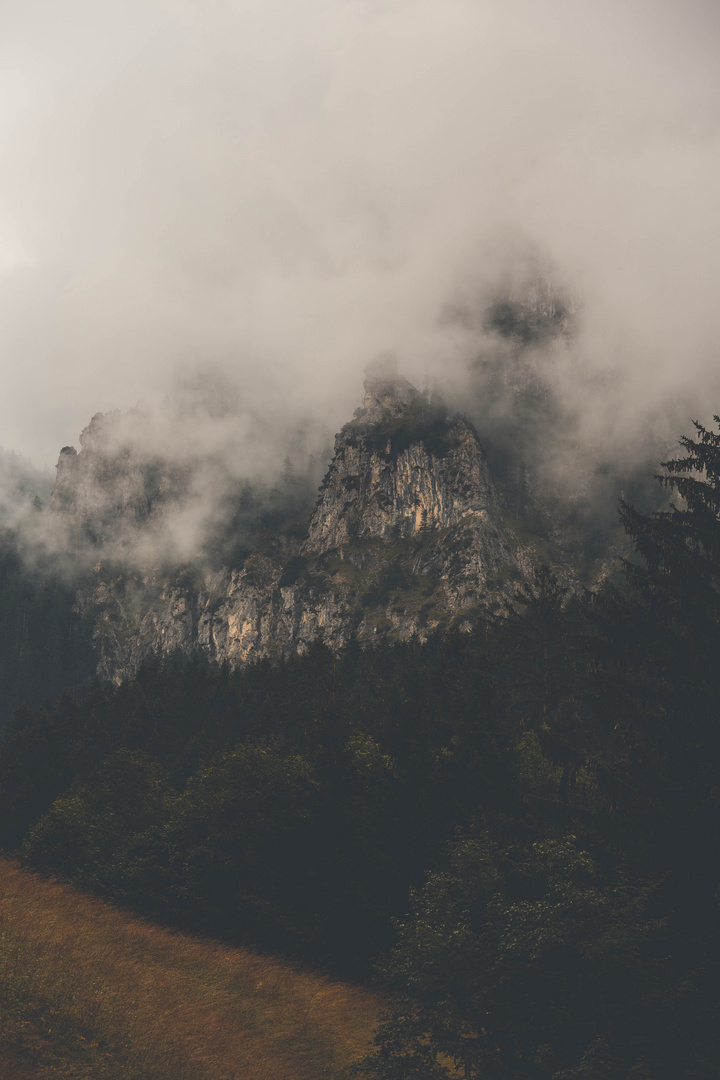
88,991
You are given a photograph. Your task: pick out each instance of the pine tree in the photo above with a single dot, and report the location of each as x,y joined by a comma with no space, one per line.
680,547
673,733
677,579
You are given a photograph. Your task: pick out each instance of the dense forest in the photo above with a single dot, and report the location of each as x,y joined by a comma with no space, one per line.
516,827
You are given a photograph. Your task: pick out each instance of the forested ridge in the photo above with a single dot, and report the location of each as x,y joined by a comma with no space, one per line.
517,825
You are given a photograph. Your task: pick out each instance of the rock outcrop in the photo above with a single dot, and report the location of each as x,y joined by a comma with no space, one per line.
409,533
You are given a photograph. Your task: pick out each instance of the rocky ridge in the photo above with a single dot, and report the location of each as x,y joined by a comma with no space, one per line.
409,533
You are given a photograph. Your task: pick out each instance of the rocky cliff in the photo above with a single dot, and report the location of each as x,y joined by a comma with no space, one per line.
409,533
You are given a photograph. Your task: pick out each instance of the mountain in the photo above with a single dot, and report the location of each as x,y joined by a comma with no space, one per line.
410,532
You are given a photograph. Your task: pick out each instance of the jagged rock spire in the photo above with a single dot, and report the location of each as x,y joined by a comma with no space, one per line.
386,391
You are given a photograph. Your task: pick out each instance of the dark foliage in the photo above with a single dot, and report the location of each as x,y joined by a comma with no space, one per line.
390,751
44,649
422,422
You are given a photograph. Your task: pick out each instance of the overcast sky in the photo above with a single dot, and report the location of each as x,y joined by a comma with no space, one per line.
286,188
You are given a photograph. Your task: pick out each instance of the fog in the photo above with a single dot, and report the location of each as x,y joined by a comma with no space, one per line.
280,191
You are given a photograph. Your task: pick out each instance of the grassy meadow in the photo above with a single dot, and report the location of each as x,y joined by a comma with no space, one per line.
88,992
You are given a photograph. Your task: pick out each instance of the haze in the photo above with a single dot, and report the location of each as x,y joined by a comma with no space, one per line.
282,190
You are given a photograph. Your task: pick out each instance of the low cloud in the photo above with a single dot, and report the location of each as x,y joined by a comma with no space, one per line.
284,190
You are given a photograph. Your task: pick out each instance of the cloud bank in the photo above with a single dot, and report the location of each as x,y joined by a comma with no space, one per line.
285,189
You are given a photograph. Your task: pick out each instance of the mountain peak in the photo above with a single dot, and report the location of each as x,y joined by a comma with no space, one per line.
386,391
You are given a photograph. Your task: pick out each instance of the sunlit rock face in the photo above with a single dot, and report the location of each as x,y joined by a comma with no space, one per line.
383,483
406,535
409,534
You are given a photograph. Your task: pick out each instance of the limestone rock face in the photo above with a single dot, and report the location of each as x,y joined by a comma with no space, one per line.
409,533
376,490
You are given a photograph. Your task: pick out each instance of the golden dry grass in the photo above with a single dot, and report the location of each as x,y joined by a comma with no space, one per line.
88,992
